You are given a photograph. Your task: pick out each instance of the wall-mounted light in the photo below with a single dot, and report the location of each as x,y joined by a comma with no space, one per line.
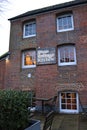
7,58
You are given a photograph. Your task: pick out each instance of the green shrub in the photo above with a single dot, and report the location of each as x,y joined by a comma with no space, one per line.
14,114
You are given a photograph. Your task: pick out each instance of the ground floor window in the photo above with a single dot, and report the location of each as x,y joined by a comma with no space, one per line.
69,102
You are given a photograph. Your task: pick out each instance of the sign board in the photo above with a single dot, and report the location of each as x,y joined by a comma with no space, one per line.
46,56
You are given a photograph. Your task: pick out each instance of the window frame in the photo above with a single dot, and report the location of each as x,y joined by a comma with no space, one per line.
67,63
23,60
68,110
24,31
68,29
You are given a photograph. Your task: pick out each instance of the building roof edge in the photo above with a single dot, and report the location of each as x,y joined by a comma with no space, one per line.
2,57
50,8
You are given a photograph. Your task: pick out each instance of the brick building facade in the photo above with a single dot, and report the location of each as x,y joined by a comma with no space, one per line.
48,52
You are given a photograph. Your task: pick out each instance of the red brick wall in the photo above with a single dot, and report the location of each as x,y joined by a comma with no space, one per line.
48,80
2,73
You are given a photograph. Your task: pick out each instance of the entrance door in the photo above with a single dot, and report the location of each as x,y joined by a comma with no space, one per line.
69,102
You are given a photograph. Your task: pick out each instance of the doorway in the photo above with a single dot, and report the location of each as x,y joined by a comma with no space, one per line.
69,102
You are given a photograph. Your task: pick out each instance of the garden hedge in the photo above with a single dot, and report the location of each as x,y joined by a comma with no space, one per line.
14,114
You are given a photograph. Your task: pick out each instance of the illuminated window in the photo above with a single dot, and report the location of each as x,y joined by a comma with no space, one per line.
65,23
69,102
29,59
29,29
67,55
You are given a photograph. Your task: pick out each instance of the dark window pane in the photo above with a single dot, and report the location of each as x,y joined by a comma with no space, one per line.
68,106
74,107
63,100
63,106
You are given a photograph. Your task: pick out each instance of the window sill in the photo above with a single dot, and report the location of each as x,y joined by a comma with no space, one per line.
27,67
67,64
65,30
29,36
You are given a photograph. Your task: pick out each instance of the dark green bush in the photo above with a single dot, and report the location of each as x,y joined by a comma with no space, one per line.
14,114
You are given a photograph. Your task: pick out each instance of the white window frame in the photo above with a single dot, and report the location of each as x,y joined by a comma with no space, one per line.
32,35
67,63
26,66
67,110
68,29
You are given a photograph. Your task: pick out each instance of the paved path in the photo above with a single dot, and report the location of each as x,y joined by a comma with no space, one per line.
69,122
66,122
82,123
